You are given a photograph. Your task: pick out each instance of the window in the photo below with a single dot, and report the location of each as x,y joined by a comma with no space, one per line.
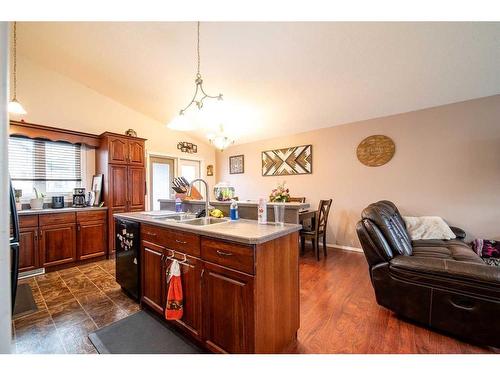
51,167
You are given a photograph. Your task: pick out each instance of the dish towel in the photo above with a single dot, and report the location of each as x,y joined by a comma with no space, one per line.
174,309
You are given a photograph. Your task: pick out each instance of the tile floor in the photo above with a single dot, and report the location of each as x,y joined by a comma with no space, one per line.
71,303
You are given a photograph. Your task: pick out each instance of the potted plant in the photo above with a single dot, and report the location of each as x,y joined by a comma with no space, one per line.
280,194
37,203
18,193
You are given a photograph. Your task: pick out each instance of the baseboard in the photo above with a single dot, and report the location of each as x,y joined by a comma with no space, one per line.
343,247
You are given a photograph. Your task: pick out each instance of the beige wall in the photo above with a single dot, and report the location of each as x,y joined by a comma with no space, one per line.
447,163
55,100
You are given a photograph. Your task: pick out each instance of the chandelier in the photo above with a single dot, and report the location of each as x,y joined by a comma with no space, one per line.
181,122
220,140
14,106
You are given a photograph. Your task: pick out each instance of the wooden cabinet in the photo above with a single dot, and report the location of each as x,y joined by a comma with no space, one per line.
57,244
121,160
191,320
236,298
136,152
91,239
137,188
28,249
58,239
153,276
227,310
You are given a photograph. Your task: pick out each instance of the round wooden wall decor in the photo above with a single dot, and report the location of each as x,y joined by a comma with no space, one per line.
376,150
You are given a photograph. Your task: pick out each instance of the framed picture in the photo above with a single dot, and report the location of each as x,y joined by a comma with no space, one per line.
236,164
210,170
287,161
97,188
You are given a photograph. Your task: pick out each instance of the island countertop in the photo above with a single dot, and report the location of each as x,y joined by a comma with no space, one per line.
242,231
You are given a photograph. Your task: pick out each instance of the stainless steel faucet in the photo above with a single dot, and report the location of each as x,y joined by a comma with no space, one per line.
206,193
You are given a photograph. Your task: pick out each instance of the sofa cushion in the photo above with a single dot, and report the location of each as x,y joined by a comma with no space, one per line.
441,249
387,218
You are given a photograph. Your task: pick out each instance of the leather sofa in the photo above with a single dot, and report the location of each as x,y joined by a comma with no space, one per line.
442,284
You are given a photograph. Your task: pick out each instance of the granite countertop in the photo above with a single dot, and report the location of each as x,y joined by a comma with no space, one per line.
58,210
242,231
251,203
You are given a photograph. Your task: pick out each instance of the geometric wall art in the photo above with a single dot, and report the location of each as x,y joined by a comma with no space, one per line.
287,161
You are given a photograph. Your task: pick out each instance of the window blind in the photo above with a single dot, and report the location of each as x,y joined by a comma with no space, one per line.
42,160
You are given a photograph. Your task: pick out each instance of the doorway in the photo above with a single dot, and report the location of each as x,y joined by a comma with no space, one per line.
162,173
191,170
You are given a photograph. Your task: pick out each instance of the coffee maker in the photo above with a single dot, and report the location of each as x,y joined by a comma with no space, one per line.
79,197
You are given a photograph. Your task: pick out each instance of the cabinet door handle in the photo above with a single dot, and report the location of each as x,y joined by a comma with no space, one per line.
224,253
202,273
150,234
181,242
41,233
36,235
78,227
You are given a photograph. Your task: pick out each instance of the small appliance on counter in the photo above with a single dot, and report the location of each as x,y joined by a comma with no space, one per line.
79,197
58,201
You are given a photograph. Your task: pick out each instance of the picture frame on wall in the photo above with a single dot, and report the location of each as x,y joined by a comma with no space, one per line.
97,188
210,170
237,164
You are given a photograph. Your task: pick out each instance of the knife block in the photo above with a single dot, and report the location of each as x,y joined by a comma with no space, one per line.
195,195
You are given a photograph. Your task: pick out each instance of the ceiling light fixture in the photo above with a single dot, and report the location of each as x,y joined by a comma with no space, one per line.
181,122
14,106
219,140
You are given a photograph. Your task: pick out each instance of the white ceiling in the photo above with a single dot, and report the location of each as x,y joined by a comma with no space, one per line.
279,77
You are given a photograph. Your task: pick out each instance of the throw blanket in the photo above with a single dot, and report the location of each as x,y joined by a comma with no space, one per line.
488,250
174,310
428,228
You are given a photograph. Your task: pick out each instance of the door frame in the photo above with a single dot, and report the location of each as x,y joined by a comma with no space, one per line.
176,158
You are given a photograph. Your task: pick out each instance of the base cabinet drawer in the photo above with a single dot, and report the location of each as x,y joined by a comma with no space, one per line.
228,254
187,243
56,219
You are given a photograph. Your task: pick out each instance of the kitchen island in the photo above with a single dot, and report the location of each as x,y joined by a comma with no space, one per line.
240,280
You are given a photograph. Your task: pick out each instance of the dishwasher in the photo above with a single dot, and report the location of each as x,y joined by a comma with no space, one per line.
128,260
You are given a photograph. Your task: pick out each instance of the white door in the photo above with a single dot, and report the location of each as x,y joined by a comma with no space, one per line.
160,180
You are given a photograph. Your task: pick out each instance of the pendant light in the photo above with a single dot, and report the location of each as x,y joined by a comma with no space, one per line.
14,106
220,140
182,122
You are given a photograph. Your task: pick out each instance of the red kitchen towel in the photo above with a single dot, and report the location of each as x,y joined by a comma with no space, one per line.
174,297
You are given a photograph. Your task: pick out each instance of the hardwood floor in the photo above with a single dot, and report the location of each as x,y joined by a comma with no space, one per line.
338,312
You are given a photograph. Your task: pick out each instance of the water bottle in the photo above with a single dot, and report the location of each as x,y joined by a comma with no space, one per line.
178,205
233,211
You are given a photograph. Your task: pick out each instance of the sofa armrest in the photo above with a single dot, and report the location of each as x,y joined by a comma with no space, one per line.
458,270
459,232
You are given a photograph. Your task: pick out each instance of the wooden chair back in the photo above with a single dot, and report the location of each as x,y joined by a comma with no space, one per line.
323,212
297,199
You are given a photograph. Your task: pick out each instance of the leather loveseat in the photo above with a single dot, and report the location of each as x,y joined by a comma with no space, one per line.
442,284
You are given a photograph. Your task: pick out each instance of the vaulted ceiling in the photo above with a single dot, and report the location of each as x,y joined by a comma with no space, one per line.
276,77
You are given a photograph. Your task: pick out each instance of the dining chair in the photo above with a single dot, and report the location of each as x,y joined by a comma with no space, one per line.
297,199
318,227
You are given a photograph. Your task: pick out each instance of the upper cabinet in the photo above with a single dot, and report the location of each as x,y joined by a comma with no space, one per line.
118,150
125,150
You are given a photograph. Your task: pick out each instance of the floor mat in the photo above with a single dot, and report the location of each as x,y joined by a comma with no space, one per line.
141,333
25,303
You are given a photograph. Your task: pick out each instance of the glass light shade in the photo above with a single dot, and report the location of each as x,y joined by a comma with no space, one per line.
221,142
16,108
182,123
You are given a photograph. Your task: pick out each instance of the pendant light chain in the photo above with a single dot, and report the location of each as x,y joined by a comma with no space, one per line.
15,59
198,75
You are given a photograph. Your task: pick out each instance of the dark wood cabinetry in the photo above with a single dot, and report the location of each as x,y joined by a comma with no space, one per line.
237,298
57,244
59,239
121,160
227,310
28,249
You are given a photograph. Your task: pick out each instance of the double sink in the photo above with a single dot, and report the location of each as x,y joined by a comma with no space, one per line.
190,219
